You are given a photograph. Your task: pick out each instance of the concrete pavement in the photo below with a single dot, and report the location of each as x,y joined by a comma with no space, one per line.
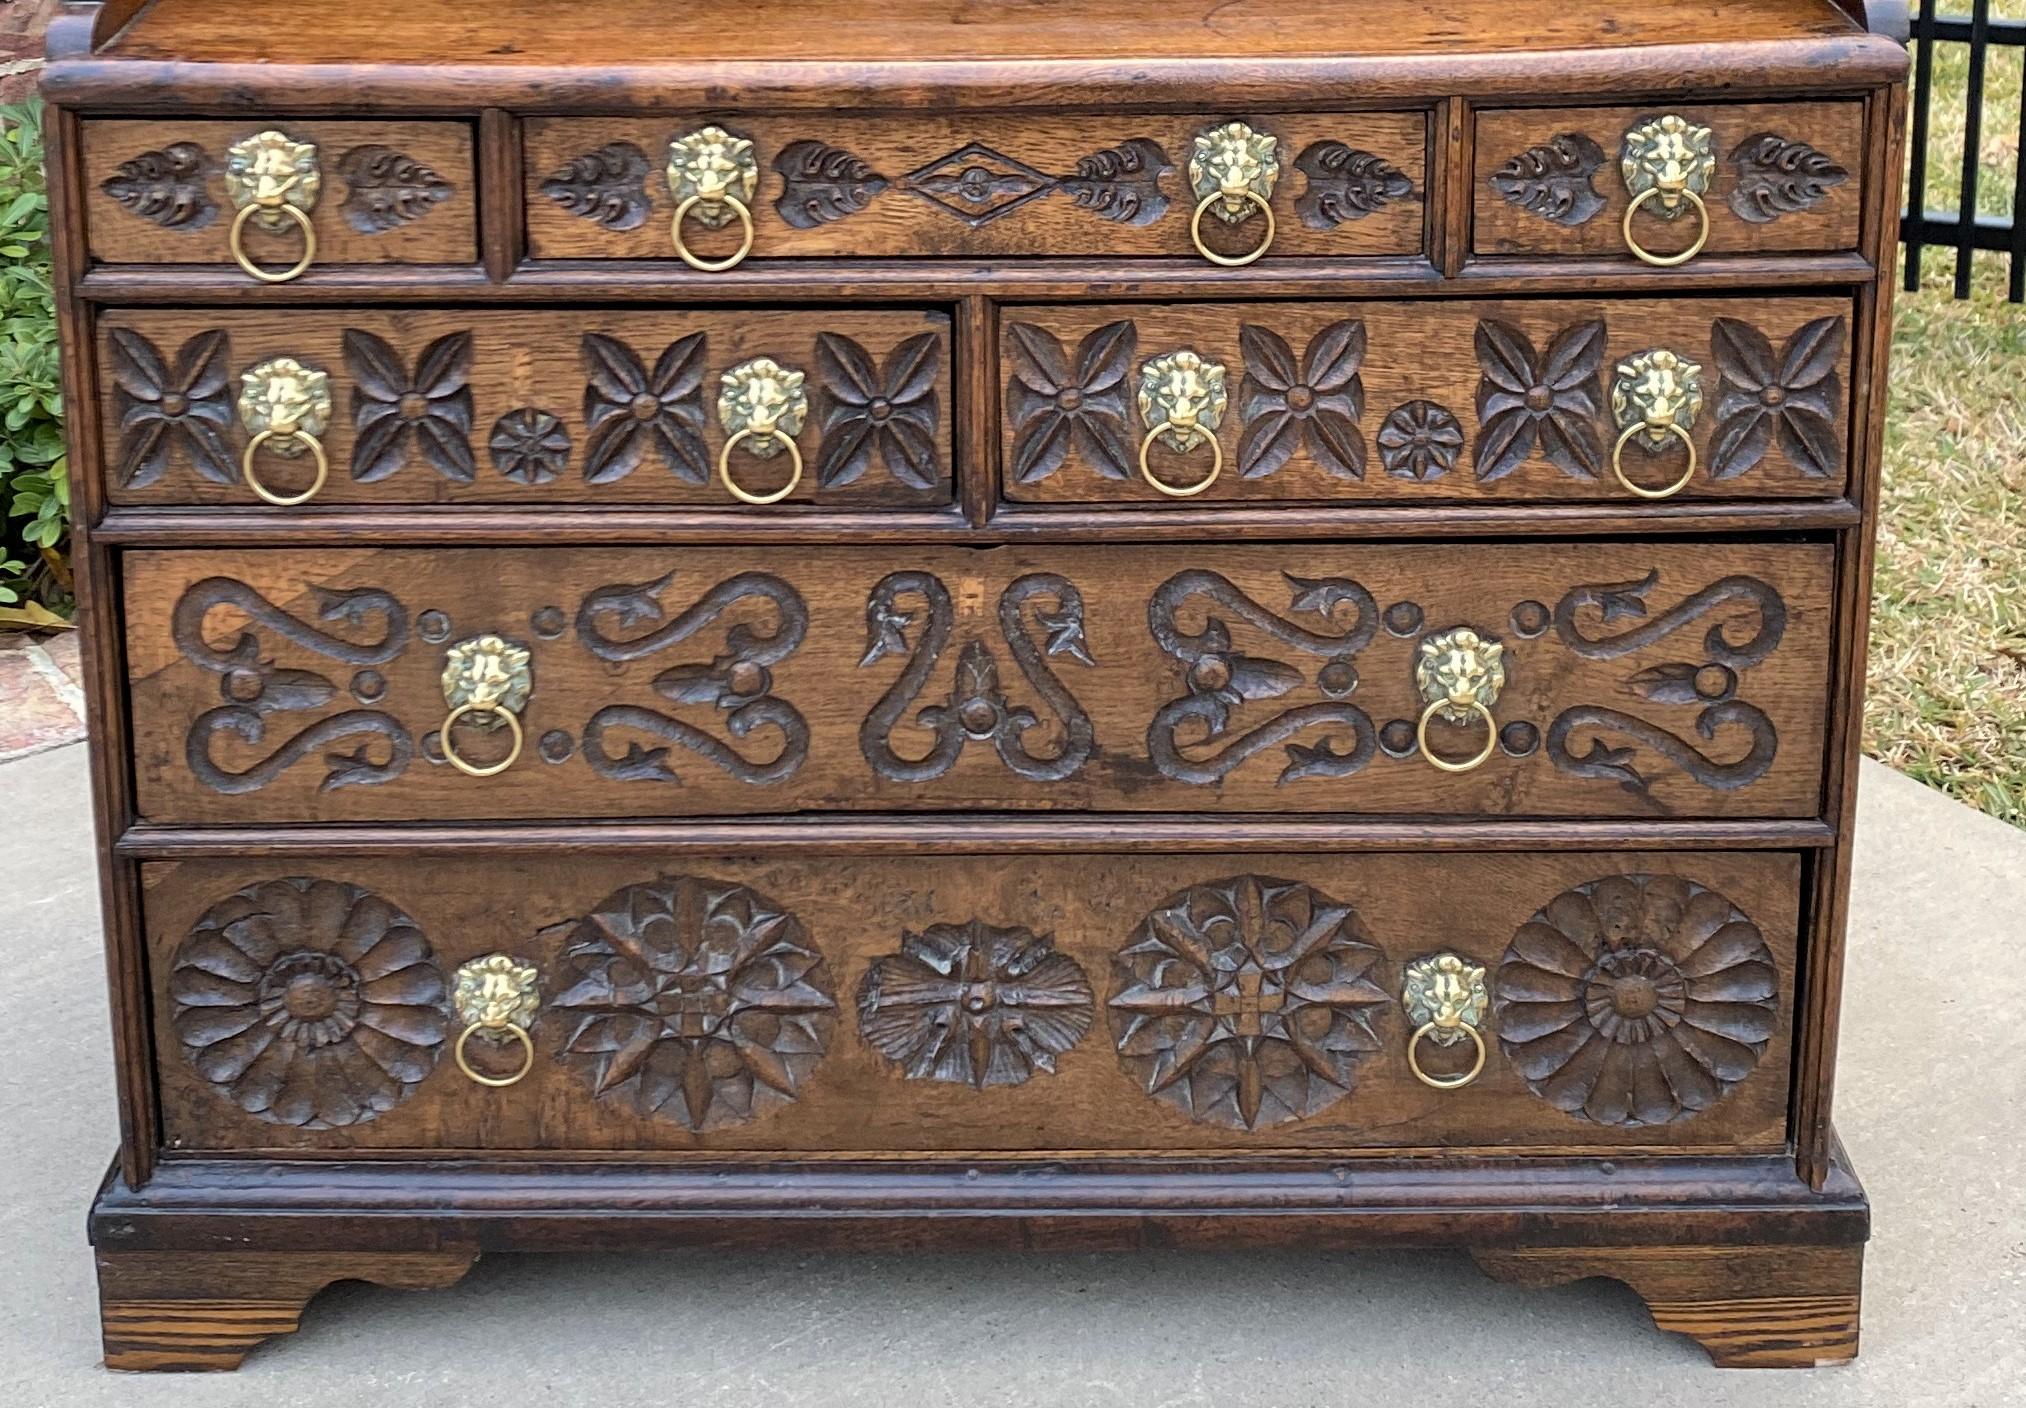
1932,1087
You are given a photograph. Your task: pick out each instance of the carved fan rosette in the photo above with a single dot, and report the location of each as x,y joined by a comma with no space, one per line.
1636,999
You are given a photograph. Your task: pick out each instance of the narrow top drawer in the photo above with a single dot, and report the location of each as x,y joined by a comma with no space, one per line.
1731,178
1228,188
273,196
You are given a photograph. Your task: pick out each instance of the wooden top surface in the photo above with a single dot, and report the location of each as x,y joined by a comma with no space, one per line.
632,32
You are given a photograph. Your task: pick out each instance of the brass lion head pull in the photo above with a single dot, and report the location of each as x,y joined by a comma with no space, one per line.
273,181
1445,998
1182,401
1667,163
712,174
487,681
286,408
762,405
496,998
1232,173
1655,398
1459,674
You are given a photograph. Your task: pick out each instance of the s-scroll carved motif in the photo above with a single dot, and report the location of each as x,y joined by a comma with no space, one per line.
1222,679
254,688
1710,684
974,1004
1247,1002
738,681
977,706
693,1000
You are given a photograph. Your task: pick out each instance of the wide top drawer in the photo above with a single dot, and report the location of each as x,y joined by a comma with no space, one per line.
278,198
1226,188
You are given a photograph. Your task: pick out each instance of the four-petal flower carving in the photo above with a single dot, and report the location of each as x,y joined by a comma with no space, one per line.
1315,404
1055,405
163,409
701,1001
1525,399
889,411
1793,396
631,412
393,411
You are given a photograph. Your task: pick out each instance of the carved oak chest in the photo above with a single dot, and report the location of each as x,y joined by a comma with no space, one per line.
1045,625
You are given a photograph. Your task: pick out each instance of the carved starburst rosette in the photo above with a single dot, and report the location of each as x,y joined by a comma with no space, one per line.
309,1002
694,1000
1246,1002
1636,999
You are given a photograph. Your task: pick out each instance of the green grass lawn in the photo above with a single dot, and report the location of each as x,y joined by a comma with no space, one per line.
1948,647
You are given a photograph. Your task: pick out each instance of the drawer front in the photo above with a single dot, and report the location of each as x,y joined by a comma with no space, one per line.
372,192
1477,400
527,406
954,1004
1627,680
1770,178
1089,184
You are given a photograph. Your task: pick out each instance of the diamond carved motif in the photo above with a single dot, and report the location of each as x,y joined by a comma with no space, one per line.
977,184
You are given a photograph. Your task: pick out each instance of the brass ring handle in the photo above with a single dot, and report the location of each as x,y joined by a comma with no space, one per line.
316,449
1187,490
1618,461
469,769
512,1029
713,266
1666,261
1477,707
237,241
1455,1082
746,496
1231,261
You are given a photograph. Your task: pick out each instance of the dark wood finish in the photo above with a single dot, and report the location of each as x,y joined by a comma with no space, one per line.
1401,402
534,407
1825,218
193,215
1740,1224
1750,1307
1644,681
174,1310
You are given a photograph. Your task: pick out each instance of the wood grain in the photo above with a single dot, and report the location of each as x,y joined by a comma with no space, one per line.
1416,356
1019,208
856,1101
514,365
446,233
1834,129
850,662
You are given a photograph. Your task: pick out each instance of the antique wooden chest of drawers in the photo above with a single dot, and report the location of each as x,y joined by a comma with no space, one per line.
1068,624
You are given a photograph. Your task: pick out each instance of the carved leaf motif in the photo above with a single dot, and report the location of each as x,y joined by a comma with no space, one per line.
1122,183
1636,1000
607,187
1794,397
1526,400
1056,407
823,183
163,410
1554,179
632,413
1779,176
309,1003
1313,404
693,1000
890,412
1345,183
1247,1003
394,413
166,186
388,188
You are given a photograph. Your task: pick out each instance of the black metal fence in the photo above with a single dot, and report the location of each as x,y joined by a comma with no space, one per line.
1962,230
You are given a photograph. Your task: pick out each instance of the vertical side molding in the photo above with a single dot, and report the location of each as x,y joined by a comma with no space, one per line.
1827,930
502,226
976,430
1451,156
97,588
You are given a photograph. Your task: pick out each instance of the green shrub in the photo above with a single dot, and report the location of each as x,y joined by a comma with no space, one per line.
34,482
